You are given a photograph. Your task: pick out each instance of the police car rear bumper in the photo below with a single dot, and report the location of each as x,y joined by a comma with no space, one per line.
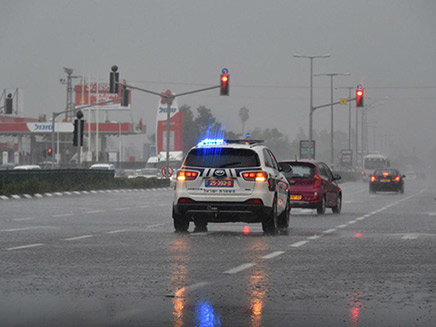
223,211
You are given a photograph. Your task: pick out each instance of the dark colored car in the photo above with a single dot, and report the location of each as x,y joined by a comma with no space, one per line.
313,186
390,180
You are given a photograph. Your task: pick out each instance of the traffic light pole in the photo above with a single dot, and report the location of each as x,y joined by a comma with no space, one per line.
56,114
169,98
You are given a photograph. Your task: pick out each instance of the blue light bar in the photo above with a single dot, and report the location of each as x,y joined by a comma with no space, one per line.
212,142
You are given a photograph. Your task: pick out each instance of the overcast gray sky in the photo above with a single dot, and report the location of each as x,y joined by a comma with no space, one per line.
388,45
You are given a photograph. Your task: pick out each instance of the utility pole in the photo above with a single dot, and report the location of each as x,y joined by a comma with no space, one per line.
311,109
332,155
69,83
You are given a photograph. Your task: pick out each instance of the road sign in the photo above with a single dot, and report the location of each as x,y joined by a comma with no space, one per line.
167,171
305,149
343,101
224,71
247,135
346,157
359,86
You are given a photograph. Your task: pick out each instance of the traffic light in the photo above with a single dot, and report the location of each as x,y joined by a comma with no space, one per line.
76,132
359,98
225,81
49,151
8,104
125,95
113,80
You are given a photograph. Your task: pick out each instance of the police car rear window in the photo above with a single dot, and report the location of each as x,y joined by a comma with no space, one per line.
222,158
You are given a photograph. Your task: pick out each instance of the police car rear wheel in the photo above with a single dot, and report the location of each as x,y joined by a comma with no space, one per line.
181,223
269,224
283,218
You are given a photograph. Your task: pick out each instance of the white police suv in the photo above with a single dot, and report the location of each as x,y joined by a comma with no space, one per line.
231,181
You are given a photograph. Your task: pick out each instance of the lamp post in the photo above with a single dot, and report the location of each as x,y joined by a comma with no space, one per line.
332,157
311,98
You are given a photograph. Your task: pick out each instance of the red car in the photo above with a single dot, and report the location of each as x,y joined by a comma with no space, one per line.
313,186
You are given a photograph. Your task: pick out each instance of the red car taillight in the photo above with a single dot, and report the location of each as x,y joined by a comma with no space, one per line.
258,176
397,179
373,178
317,181
186,175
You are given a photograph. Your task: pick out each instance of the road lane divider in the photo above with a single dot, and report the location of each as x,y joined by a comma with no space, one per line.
25,247
118,231
328,231
273,255
77,238
298,244
239,268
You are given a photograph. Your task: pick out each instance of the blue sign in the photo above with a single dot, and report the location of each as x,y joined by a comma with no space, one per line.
247,135
225,71
359,86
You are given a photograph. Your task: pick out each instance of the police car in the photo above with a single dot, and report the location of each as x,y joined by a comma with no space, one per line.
231,181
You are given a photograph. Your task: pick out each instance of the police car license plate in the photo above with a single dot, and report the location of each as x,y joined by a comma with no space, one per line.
219,183
385,180
296,197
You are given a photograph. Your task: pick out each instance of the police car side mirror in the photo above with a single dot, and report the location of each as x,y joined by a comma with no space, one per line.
285,167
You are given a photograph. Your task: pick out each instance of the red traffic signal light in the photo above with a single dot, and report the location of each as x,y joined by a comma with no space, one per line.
225,81
49,151
359,98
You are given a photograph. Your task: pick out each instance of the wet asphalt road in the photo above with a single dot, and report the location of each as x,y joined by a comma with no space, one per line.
113,259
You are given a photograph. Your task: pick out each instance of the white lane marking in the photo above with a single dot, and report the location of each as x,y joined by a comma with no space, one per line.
16,197
94,192
314,237
4,197
63,215
298,244
118,231
27,196
67,193
77,237
341,226
16,229
109,191
94,211
24,246
239,268
352,222
120,209
23,219
76,192
117,191
273,254
58,193
432,213
48,194
159,225
411,236
85,192
360,218
328,231
143,207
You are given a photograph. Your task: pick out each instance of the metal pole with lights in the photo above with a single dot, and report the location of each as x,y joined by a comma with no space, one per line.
311,152
332,157
169,97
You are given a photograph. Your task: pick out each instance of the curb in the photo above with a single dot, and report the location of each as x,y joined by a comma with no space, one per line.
75,193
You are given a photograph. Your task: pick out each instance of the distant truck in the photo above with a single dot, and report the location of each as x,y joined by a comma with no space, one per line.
372,162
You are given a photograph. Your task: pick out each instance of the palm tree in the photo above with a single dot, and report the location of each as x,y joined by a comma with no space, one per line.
243,114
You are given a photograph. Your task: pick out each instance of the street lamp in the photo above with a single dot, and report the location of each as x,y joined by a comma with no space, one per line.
311,98
332,158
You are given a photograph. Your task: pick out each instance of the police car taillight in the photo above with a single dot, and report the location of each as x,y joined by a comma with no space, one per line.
373,178
258,176
186,175
397,179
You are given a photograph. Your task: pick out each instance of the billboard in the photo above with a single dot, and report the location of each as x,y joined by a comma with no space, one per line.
305,149
176,125
91,93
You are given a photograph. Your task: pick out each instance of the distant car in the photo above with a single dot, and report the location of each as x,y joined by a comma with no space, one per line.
27,167
102,167
7,166
129,173
386,180
411,174
146,172
313,186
